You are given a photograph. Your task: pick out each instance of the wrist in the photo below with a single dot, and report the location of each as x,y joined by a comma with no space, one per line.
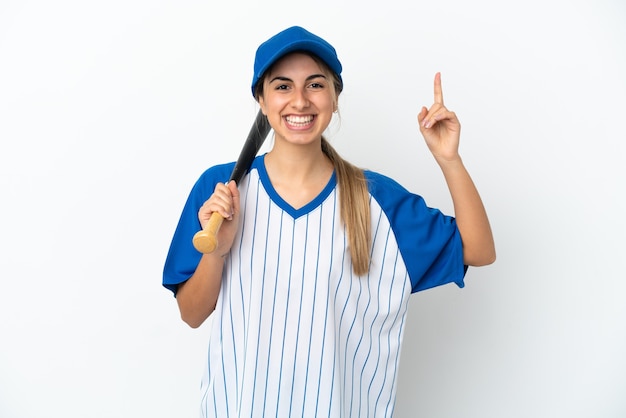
216,256
449,162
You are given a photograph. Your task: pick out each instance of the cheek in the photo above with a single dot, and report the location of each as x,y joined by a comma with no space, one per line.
272,104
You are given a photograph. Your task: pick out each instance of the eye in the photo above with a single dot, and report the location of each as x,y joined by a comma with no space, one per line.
281,87
317,85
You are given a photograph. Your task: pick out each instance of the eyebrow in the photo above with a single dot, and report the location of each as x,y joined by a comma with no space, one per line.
311,77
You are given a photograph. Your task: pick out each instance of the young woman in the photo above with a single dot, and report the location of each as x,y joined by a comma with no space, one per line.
309,285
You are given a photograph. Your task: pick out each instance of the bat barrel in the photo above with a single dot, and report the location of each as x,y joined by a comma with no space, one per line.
258,132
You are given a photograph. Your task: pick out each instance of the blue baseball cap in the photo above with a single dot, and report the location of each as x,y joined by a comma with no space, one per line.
289,40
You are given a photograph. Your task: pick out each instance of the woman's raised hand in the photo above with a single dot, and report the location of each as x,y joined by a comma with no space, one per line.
440,127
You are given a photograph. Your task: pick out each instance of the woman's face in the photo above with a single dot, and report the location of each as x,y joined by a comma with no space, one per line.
298,99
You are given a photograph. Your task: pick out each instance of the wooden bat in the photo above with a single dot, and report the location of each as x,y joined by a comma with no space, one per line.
205,240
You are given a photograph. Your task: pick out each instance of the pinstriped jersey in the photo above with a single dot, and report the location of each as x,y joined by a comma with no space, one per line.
295,332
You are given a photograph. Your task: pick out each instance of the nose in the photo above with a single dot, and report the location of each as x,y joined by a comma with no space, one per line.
300,99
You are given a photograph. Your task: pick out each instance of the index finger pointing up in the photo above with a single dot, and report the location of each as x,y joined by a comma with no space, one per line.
438,91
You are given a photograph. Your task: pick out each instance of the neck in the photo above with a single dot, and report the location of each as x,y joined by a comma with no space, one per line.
298,164
298,177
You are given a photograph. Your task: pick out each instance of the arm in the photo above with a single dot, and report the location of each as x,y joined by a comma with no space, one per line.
470,214
197,296
441,130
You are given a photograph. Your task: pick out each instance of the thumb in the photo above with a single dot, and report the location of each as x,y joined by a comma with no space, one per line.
420,117
234,191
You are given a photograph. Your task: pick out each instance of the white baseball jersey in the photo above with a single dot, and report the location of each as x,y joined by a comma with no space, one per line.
295,333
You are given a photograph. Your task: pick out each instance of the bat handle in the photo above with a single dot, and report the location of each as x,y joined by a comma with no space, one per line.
205,241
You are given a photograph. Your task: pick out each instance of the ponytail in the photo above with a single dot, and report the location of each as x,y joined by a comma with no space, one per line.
355,208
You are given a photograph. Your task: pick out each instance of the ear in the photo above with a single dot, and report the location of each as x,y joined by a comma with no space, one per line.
262,104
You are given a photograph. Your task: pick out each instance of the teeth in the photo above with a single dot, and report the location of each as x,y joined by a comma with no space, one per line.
299,119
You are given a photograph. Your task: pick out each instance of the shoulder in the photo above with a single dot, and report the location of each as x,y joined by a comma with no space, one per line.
205,183
387,191
220,172
378,183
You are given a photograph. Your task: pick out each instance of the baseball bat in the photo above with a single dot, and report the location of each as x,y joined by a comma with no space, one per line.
205,240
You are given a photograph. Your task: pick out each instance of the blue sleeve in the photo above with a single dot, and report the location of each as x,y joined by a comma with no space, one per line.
429,241
182,257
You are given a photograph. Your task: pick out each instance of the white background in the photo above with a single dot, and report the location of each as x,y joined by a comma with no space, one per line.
109,111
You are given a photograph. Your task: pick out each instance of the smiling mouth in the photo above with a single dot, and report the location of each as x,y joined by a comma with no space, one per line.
299,121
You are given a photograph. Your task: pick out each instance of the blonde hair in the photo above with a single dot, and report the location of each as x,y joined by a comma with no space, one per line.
352,185
355,208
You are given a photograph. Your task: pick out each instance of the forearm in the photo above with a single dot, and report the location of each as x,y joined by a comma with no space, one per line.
197,296
470,214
